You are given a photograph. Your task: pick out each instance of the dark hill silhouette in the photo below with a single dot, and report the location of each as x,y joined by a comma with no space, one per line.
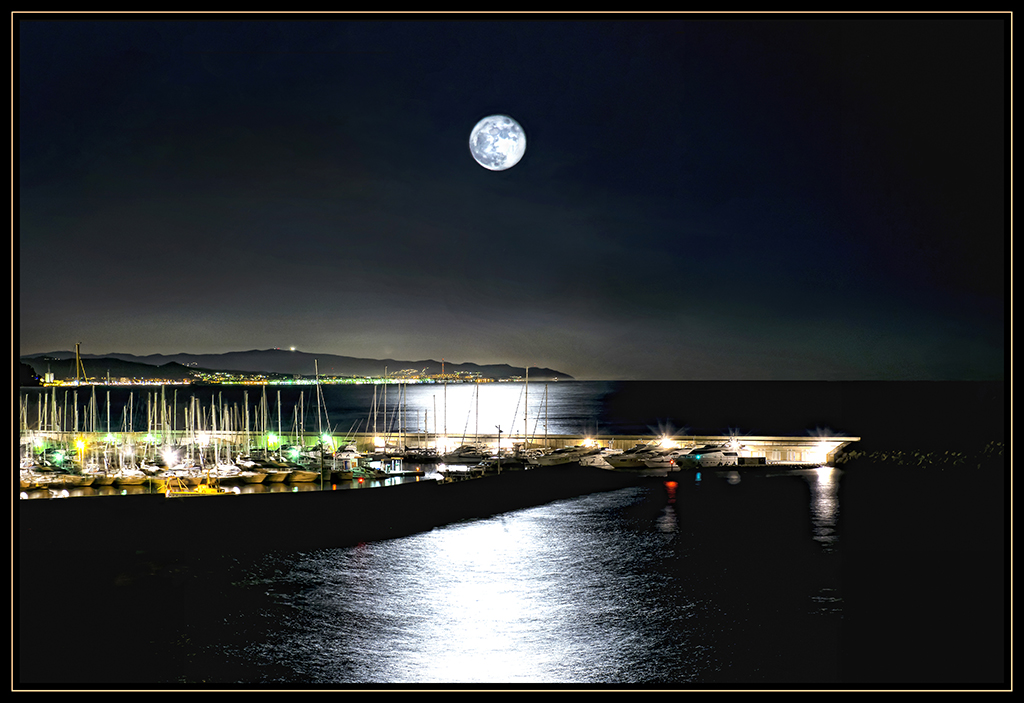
273,361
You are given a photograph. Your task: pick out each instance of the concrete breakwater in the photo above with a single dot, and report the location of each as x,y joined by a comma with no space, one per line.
305,520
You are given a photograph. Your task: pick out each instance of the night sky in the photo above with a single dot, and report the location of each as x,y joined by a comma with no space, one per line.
799,198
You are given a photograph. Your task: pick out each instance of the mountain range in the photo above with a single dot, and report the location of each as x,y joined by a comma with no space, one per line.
266,361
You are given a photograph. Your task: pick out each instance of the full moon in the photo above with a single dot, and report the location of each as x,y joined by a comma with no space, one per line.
497,142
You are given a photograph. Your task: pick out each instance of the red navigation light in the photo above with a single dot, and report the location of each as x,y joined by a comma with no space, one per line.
360,479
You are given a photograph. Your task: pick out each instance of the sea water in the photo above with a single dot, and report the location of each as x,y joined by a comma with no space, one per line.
714,579
639,586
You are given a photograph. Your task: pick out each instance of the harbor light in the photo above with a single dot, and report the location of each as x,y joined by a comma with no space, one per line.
378,442
272,439
444,445
668,443
820,452
326,438
204,439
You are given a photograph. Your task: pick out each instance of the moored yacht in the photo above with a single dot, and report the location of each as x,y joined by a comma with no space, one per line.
564,455
707,456
632,458
466,454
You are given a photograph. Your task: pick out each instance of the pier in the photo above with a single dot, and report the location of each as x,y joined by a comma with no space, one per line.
94,446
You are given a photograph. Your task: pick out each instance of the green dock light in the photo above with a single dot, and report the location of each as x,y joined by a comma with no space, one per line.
272,439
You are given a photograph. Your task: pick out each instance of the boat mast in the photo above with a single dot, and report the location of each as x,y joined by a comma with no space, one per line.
373,411
319,427
245,405
526,411
79,368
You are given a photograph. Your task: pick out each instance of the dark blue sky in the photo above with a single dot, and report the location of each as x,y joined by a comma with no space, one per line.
797,198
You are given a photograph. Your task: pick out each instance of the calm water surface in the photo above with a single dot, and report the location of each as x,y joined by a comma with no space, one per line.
611,588
737,580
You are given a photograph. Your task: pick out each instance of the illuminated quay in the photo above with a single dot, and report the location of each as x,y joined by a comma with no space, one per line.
131,446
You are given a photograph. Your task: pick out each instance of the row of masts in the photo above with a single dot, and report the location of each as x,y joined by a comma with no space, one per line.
52,417
401,415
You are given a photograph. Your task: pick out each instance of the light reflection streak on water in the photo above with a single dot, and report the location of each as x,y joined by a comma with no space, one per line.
824,483
501,614
580,591
529,597
498,606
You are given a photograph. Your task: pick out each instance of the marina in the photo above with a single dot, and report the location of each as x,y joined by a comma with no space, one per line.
134,464
751,573
99,441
